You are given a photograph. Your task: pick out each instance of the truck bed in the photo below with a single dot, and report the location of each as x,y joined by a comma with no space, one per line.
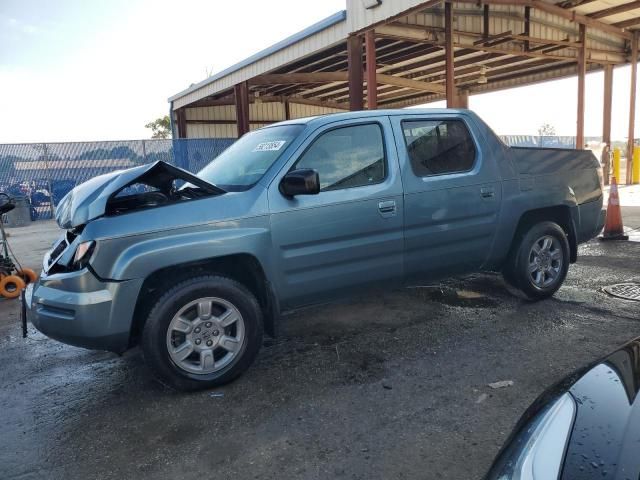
577,168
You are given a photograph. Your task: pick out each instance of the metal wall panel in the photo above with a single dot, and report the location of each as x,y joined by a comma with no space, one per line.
271,111
301,111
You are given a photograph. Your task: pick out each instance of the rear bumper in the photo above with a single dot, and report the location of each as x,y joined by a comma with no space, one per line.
79,309
592,218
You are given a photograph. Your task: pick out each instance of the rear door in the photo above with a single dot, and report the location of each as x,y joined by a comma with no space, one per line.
349,236
452,195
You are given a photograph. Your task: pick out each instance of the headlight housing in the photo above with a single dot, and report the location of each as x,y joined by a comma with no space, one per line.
537,452
83,254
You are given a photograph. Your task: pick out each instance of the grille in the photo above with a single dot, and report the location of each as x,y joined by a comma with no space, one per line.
628,291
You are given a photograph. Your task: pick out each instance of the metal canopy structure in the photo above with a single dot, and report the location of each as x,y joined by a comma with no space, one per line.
383,53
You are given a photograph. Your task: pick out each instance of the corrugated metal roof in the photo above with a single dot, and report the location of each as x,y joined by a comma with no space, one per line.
410,47
295,38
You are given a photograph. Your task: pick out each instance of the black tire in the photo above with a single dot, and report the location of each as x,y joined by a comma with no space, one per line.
516,271
154,335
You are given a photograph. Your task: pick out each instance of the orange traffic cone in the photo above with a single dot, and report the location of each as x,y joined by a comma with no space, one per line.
613,228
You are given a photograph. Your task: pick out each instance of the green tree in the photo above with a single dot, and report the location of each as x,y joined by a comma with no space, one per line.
160,127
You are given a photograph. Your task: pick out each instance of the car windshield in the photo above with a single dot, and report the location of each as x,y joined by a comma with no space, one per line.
241,165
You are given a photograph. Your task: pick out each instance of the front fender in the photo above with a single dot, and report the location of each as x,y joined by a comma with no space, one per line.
138,256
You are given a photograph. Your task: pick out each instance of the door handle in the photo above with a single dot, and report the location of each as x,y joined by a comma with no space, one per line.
388,206
487,192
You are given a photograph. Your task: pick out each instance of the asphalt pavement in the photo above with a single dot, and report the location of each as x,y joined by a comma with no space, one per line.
380,387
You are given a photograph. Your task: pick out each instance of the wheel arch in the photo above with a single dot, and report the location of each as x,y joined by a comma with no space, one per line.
242,267
560,214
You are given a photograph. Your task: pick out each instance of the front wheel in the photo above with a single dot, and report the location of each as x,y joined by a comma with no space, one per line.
202,333
540,260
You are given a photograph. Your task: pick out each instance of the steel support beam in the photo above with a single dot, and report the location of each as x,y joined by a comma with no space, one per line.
409,83
570,15
287,78
462,98
448,50
632,103
241,97
182,123
582,71
354,60
606,108
527,26
372,82
485,22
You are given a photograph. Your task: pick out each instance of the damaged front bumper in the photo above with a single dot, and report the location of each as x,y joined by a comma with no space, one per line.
80,309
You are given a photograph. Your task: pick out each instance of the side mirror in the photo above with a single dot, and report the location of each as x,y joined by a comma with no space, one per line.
304,181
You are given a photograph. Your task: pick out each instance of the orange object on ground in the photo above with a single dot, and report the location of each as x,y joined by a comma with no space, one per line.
613,228
28,275
11,286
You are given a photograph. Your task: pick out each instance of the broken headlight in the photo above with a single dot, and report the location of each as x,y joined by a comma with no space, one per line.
83,254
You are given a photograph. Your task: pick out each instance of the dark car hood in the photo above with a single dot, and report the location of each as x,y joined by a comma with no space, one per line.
605,441
89,200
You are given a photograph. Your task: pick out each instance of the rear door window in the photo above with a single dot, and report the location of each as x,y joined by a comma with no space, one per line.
438,147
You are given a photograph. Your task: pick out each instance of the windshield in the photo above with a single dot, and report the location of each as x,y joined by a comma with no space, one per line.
241,165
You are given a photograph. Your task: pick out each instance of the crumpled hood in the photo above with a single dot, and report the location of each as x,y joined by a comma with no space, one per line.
89,200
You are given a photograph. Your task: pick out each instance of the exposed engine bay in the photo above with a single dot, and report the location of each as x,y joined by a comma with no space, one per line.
161,185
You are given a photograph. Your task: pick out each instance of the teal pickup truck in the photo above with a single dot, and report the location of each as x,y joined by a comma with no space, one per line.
195,267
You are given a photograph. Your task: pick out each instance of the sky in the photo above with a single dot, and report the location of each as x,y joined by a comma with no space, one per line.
75,70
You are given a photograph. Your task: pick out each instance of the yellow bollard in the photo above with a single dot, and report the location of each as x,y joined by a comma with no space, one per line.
636,165
616,164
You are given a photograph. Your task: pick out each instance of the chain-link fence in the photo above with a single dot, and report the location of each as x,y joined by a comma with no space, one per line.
46,172
539,141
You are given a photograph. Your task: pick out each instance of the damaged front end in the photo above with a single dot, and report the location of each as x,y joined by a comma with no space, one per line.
147,186
68,253
117,193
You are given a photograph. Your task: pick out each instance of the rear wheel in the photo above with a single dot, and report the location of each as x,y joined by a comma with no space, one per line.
539,261
202,333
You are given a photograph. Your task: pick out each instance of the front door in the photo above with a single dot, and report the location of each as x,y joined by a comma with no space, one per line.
349,236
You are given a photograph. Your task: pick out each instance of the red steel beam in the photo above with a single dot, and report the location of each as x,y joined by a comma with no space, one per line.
354,61
182,123
372,84
606,108
448,51
608,12
527,26
632,103
582,71
241,97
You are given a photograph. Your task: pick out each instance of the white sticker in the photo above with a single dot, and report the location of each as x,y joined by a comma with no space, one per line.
269,146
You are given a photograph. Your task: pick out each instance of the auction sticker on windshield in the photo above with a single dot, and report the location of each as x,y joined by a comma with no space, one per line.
269,146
